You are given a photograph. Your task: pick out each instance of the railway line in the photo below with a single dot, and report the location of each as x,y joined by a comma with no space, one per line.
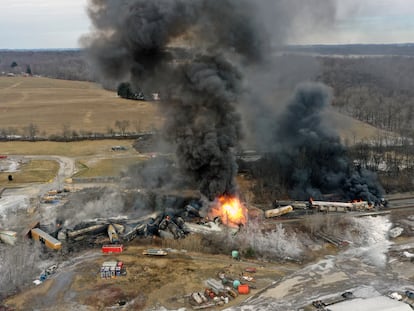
400,201
396,203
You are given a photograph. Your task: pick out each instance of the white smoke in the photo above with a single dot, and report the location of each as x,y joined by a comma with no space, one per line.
11,204
274,244
369,238
109,204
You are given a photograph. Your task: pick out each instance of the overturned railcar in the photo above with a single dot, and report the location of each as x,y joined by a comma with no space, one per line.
45,238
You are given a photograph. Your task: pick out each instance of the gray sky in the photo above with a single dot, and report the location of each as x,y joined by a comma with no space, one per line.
28,24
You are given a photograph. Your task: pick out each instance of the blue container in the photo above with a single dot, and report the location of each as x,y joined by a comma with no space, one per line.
236,284
235,254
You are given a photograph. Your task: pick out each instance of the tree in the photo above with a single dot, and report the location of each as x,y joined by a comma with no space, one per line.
137,126
124,90
19,264
14,64
28,70
122,125
31,131
66,131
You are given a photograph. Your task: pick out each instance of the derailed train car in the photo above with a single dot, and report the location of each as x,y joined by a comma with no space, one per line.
327,206
45,238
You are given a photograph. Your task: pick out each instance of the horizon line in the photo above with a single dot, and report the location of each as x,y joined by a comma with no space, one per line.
287,45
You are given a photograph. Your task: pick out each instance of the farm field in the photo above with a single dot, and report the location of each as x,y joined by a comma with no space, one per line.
51,104
85,107
93,159
54,106
69,149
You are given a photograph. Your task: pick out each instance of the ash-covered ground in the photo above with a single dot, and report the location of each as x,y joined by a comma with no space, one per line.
376,259
367,268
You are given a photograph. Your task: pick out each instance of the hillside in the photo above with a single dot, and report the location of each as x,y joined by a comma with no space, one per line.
353,131
56,105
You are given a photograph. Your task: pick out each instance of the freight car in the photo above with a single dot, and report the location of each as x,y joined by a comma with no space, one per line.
327,206
278,211
45,238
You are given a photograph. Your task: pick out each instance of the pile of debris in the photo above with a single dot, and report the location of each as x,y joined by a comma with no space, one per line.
172,224
169,224
223,290
54,196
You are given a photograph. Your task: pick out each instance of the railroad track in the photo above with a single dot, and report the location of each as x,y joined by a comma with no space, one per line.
383,211
402,208
396,203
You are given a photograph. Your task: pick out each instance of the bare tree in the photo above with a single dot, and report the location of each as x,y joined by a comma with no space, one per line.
122,125
31,131
19,266
137,126
66,131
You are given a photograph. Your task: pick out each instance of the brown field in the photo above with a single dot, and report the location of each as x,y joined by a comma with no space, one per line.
93,159
86,107
83,106
72,149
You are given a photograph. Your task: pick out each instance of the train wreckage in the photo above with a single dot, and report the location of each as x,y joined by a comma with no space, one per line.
177,224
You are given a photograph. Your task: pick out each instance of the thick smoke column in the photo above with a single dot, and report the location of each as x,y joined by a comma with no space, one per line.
309,153
200,88
204,123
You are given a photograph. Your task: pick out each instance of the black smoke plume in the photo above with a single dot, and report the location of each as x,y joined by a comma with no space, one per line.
201,85
309,156
203,122
199,88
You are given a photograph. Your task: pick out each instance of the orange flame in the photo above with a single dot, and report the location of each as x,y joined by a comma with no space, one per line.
230,210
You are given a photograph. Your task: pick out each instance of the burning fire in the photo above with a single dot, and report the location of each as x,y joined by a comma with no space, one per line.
230,210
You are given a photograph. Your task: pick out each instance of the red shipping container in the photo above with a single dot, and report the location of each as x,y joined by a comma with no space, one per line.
243,289
109,249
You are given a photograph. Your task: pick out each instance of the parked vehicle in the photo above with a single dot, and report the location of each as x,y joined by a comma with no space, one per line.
409,294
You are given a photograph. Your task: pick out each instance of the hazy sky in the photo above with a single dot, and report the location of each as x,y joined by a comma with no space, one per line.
59,23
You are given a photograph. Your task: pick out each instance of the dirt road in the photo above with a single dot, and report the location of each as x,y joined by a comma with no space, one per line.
150,281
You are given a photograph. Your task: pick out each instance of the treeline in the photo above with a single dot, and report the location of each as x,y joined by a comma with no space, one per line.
31,132
406,49
378,91
59,64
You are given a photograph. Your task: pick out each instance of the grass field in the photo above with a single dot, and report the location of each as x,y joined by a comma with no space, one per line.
105,167
82,106
32,172
93,158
